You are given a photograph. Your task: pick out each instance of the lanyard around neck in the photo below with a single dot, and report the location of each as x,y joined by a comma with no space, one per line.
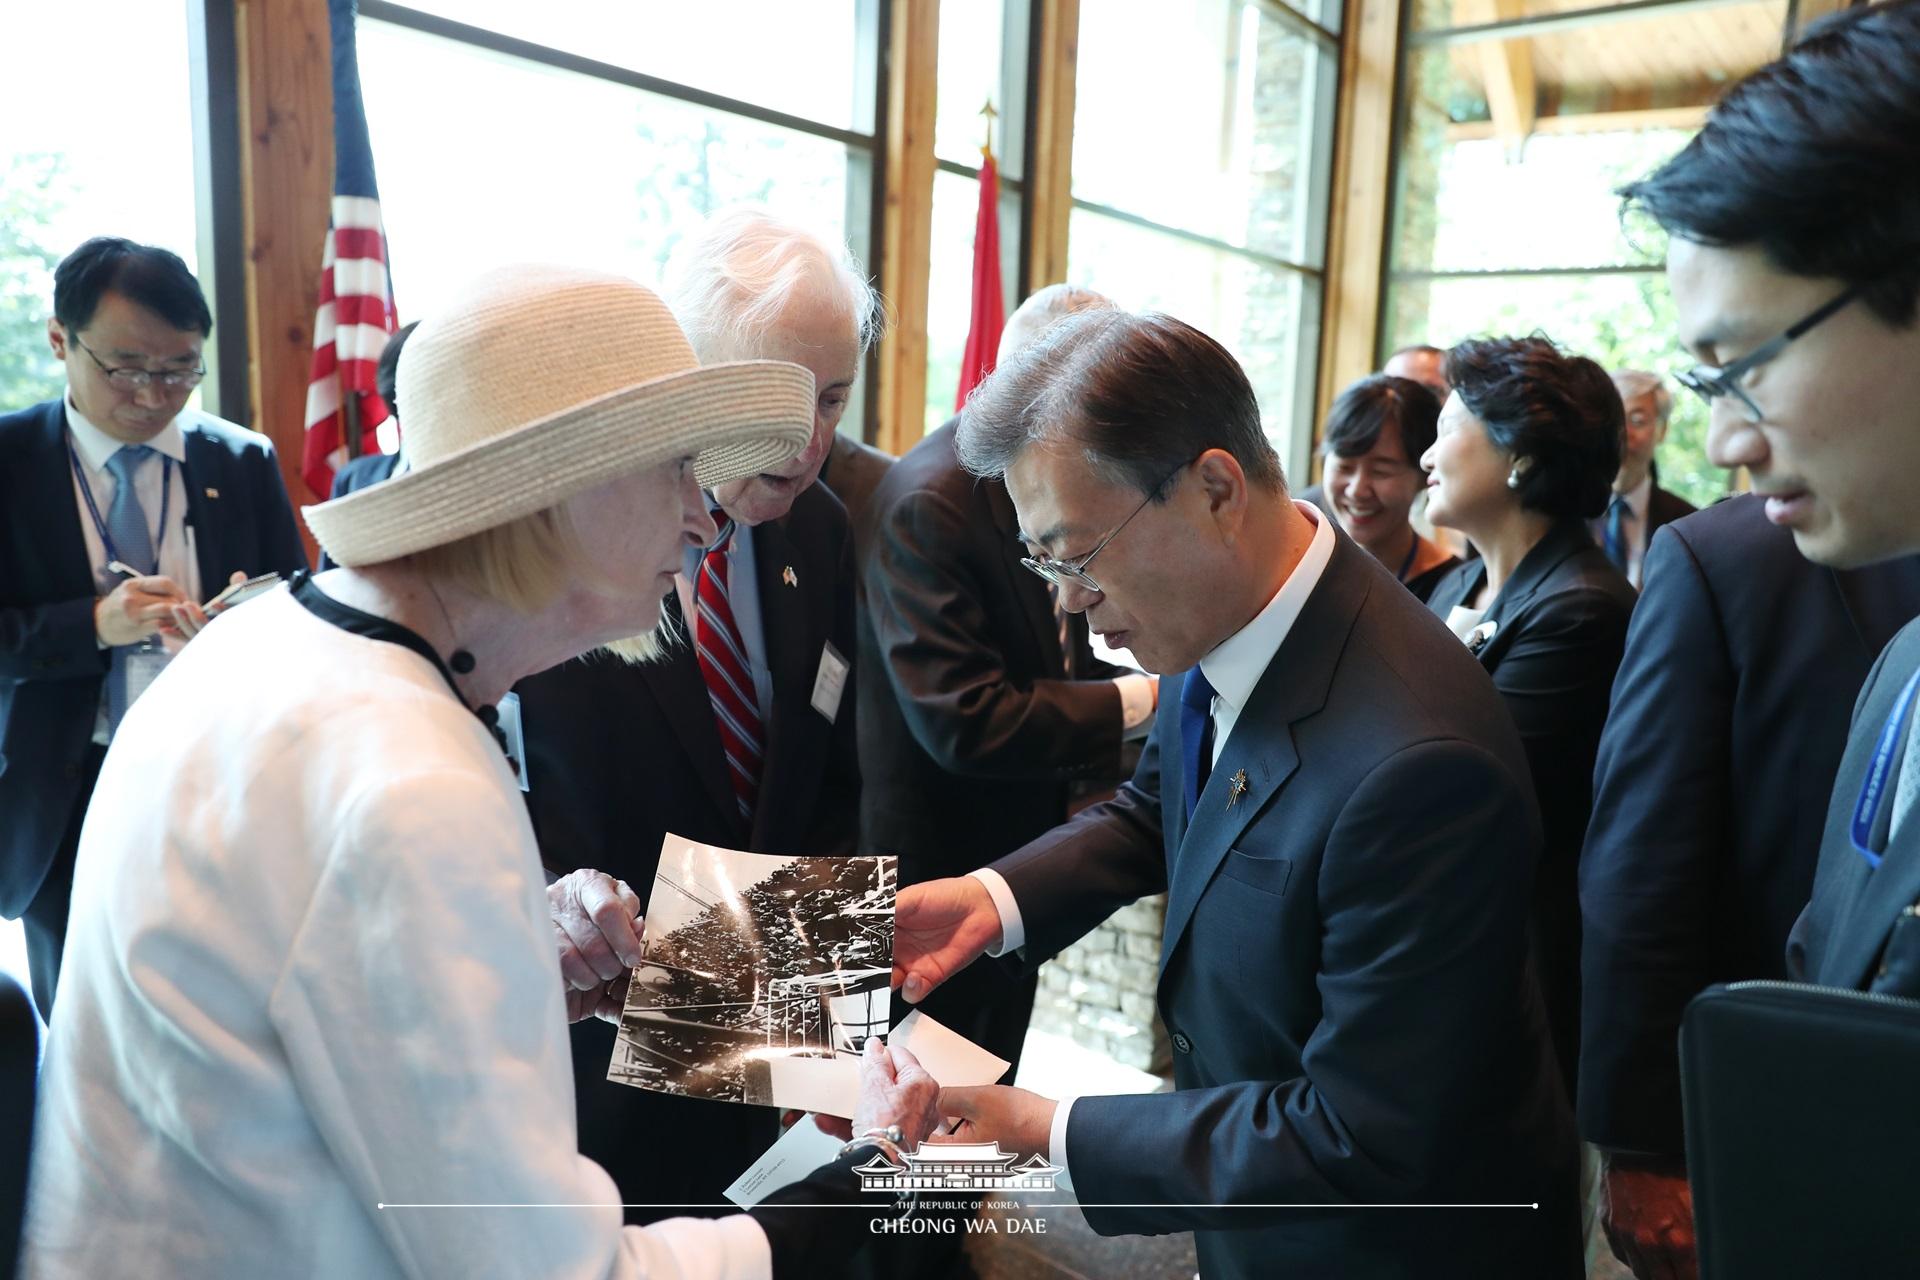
93,508
1874,787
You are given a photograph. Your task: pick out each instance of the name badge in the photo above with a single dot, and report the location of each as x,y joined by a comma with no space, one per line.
144,666
509,709
830,683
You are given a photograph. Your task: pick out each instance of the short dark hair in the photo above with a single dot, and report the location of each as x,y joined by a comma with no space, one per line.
1364,409
1557,414
1141,395
1814,158
153,277
389,367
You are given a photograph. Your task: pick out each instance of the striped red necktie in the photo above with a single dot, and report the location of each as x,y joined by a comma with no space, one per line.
723,662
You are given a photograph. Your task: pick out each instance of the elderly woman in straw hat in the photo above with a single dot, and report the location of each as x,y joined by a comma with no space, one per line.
311,982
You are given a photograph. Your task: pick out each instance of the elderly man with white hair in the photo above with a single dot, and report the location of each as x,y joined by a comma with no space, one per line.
311,1021
1639,505
742,735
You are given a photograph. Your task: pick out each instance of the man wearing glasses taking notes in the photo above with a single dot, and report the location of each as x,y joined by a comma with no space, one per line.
121,509
1338,807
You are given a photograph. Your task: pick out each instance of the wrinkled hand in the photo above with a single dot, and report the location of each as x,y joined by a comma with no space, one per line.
597,928
894,1089
939,928
135,609
1019,1120
1647,1211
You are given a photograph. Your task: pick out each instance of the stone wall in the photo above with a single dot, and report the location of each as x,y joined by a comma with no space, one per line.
1099,992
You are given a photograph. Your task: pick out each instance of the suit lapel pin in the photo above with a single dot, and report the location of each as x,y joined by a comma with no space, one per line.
1478,637
212,492
1237,787
788,576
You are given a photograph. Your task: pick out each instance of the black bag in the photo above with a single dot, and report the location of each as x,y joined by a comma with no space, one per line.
1803,1131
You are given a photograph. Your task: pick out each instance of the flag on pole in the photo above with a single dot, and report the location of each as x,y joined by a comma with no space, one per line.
989,307
356,313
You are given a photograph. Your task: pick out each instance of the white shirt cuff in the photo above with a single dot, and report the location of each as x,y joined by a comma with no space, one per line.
1136,700
1013,934
1057,1144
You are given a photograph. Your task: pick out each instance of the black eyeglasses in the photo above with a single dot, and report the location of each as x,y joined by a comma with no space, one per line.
128,379
1073,573
1710,382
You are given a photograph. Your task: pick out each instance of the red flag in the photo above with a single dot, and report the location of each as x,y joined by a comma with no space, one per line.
356,313
989,310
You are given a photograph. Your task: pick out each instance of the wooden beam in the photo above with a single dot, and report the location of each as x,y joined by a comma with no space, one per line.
285,96
1358,220
1050,167
913,56
1506,71
1806,12
1591,122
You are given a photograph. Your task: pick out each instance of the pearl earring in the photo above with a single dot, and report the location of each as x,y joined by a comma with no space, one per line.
1514,477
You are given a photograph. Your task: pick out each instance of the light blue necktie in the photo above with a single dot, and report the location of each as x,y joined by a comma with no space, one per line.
1616,542
133,546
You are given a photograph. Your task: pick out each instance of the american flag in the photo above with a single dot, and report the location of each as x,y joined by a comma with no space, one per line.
356,313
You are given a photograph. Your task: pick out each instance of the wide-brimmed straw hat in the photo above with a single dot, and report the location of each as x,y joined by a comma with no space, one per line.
539,383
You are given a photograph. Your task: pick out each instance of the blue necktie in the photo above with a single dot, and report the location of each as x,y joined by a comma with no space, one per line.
1196,723
1615,543
133,546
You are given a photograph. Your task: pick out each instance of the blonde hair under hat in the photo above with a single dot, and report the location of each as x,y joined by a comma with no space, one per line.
540,383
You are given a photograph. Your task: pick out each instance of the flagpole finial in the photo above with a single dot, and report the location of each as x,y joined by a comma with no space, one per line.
991,115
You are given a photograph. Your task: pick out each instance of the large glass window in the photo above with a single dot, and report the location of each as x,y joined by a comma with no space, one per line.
1210,202
487,155
980,61
107,153
1510,153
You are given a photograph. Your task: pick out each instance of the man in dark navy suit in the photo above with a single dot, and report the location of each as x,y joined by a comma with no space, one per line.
1701,848
1639,507
1338,808
742,733
120,511
1798,287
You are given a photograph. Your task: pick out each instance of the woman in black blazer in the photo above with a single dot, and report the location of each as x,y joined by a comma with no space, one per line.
1528,445
1371,442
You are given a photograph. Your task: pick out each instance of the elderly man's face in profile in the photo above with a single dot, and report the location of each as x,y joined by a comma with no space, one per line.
818,334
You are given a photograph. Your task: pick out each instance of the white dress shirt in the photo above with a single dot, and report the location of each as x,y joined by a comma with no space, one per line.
175,543
313,979
1233,667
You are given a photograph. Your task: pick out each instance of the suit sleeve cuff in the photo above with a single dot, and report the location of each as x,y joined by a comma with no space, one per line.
1013,933
1057,1145
1136,700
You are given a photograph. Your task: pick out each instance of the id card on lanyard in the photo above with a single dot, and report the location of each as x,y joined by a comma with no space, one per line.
1874,787
148,658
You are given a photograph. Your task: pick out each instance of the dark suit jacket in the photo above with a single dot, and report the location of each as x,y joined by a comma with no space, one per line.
969,732
1344,971
620,755
50,664
1729,716
853,471
1860,929
1560,626
364,471
1663,508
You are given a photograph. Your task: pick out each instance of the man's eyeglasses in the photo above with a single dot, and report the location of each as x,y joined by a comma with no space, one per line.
1073,573
1710,382
128,379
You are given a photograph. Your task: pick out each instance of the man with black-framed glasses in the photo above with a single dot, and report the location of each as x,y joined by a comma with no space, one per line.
121,509
1795,268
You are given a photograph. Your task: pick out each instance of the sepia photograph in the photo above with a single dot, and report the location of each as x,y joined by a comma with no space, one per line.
761,974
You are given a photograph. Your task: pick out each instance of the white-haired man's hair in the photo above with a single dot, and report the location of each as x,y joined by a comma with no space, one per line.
1637,382
1043,309
729,284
